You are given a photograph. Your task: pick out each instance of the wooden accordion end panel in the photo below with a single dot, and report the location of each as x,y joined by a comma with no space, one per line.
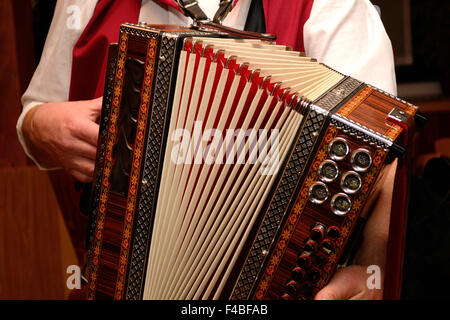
231,168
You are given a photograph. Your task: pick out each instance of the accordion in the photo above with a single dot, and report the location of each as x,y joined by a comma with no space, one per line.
231,168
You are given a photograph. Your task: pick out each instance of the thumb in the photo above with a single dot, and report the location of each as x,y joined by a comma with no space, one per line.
96,108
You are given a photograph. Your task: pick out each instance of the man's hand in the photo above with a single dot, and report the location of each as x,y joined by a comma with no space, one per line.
349,283
65,134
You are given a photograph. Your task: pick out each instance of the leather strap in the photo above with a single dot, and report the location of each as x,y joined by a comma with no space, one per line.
191,9
225,7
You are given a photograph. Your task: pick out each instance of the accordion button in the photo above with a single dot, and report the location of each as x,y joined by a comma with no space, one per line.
304,260
292,287
314,275
361,160
318,232
318,193
286,296
297,274
351,182
307,288
340,204
338,149
310,246
328,171
328,244
321,258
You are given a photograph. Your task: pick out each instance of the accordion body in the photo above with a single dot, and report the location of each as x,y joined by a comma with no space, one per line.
269,211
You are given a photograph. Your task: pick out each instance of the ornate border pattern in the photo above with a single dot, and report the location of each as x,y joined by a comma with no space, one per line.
136,167
147,194
103,136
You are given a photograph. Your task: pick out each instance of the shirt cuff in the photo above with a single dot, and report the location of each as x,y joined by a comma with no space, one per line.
22,141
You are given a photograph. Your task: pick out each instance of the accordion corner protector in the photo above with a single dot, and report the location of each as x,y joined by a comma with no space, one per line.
210,184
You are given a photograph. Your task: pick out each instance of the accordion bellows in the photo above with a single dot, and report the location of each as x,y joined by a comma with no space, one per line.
230,168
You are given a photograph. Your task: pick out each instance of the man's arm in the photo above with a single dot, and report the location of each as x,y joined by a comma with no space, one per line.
51,79
64,135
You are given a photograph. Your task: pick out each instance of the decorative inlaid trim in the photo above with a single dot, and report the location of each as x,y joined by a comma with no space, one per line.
136,167
151,164
332,98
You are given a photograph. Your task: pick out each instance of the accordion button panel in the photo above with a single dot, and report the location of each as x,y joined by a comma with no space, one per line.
338,149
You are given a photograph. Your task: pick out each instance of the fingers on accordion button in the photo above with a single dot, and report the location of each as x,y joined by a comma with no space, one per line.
317,232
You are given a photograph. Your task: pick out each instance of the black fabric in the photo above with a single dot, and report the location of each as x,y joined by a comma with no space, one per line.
255,18
427,262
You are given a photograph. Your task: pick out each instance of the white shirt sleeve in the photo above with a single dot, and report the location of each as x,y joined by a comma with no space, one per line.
51,79
349,36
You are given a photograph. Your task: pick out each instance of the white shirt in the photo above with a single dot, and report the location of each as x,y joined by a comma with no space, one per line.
347,35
